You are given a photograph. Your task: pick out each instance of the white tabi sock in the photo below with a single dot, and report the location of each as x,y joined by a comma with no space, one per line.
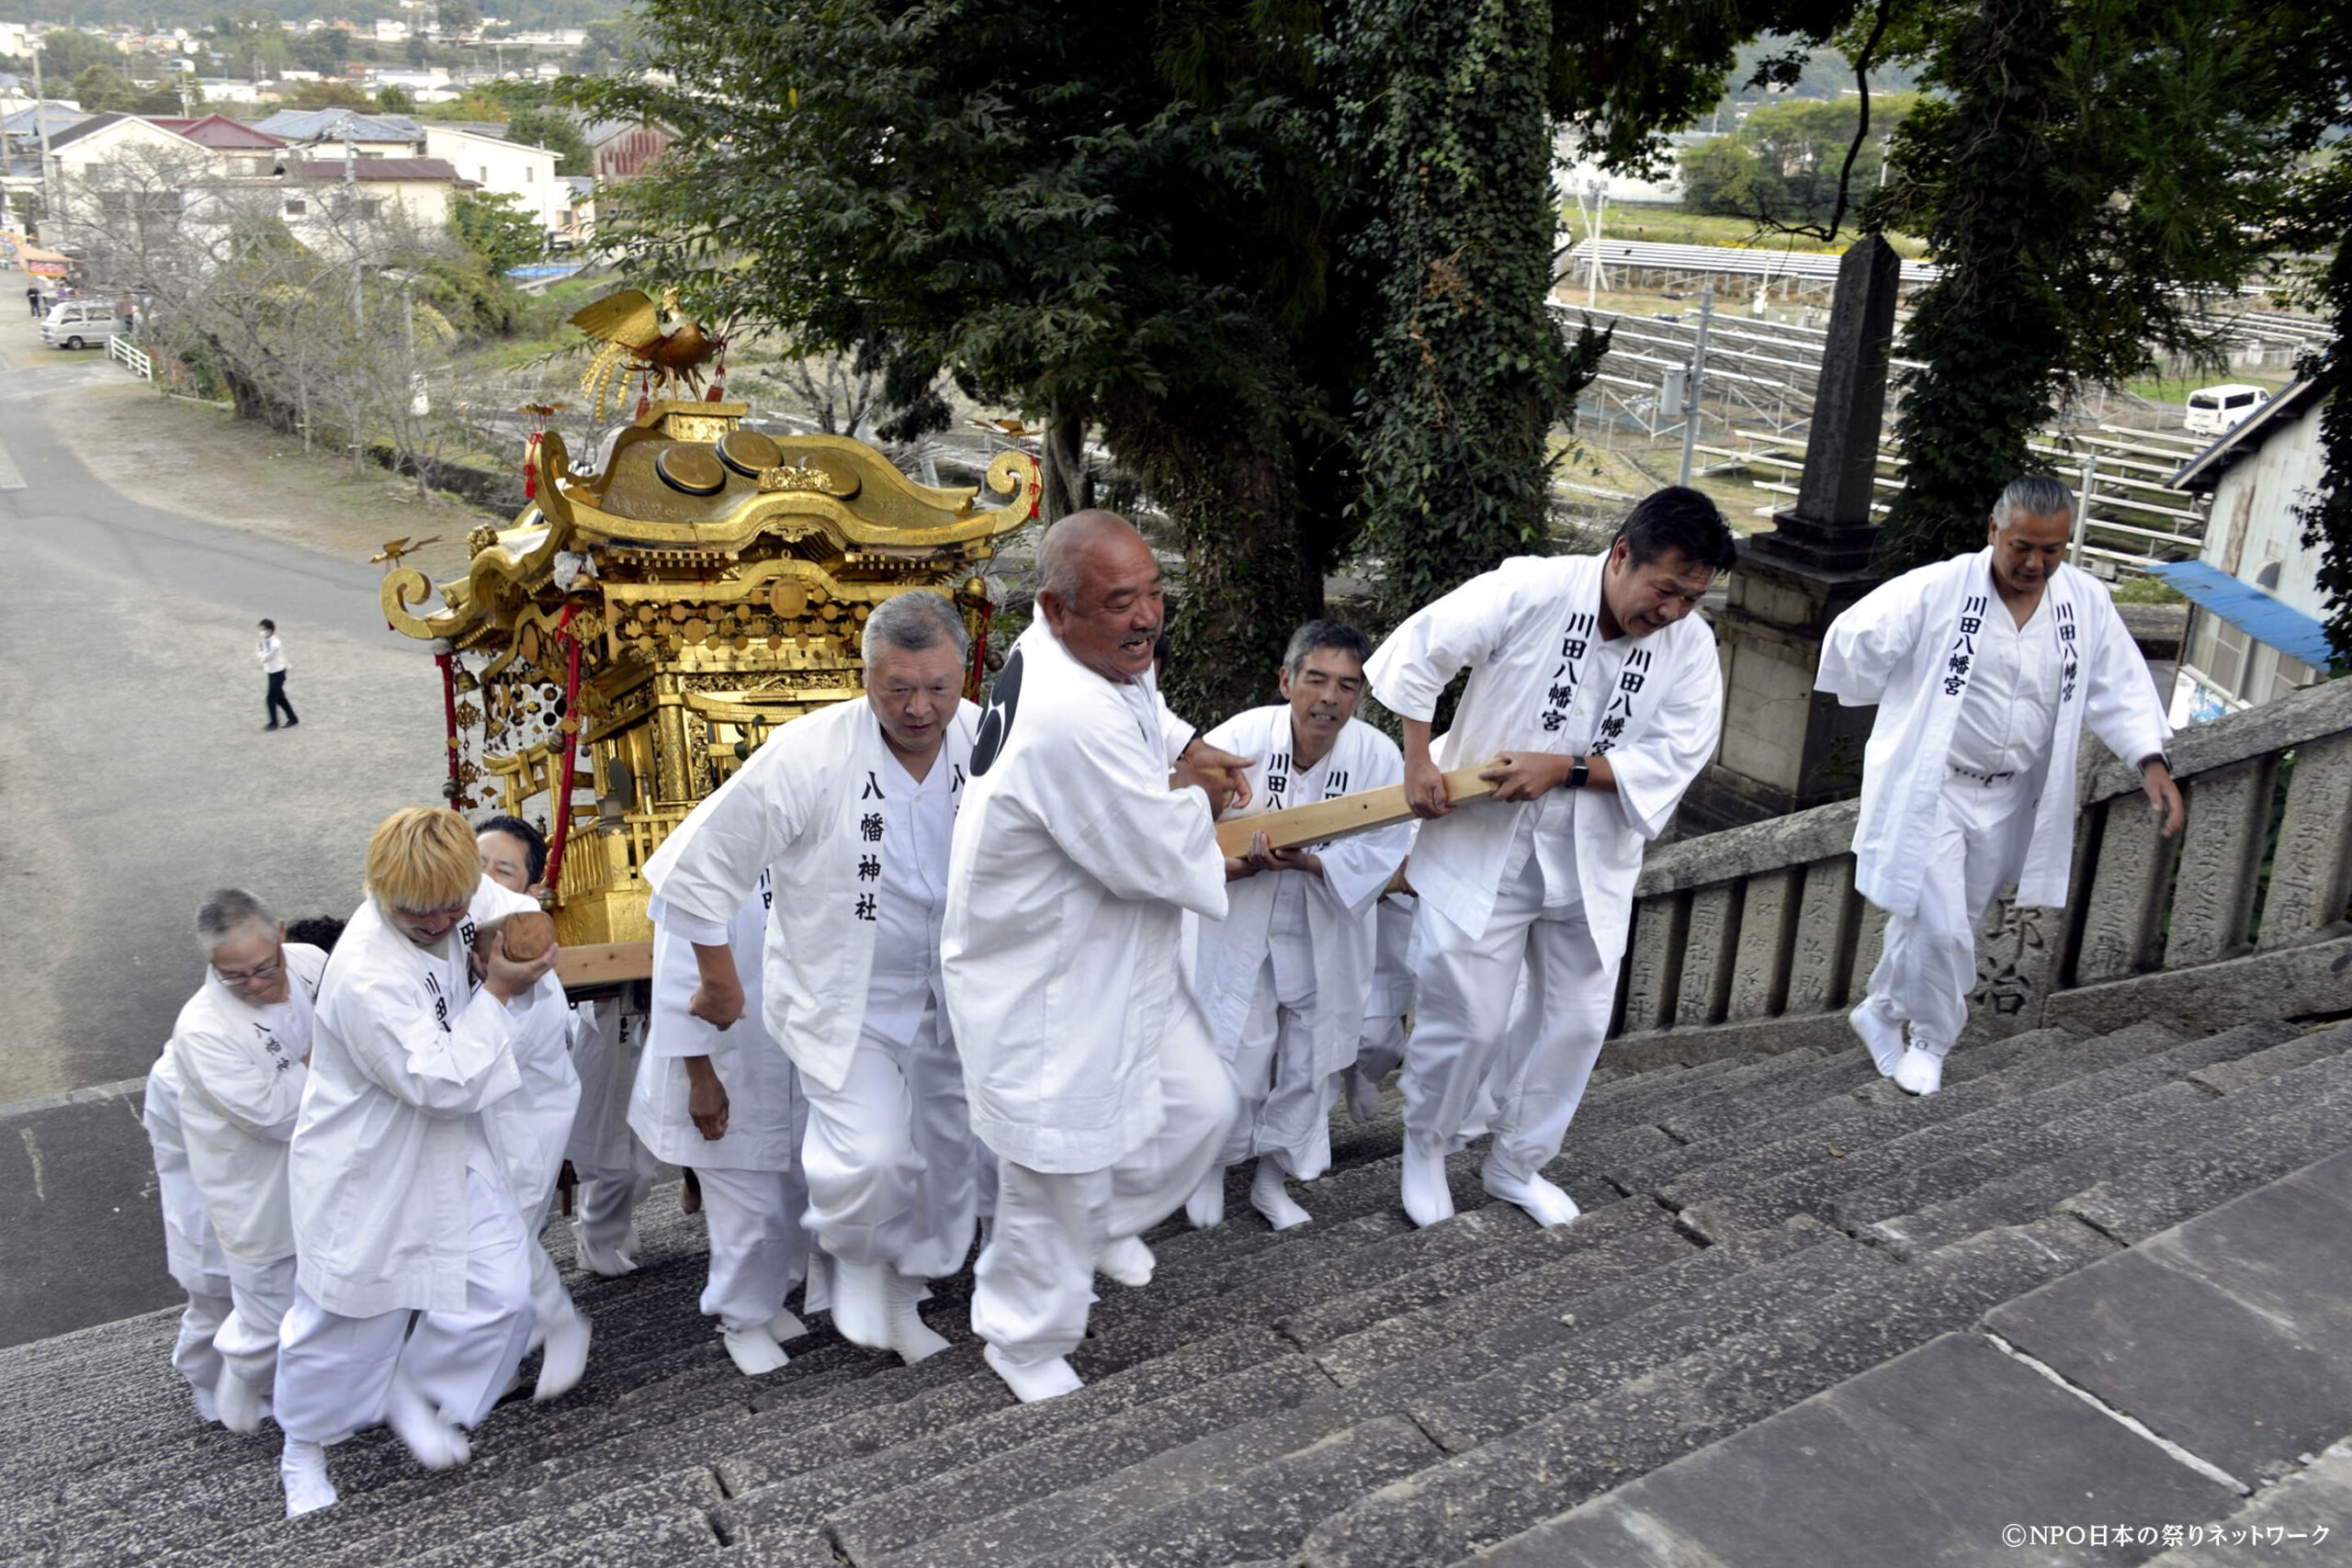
1128,1261
566,1359
238,1402
1541,1198
861,1304
437,1443
1921,1071
911,1336
785,1327
752,1351
1427,1198
1363,1096
207,1410
1205,1207
302,1470
1045,1379
1882,1034
1271,1198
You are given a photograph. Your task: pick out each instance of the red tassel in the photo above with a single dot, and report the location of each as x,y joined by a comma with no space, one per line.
645,396
531,467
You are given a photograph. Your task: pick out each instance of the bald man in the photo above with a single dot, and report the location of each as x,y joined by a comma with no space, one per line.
1088,1065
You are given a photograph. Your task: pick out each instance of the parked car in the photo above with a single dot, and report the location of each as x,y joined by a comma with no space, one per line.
2214,410
80,324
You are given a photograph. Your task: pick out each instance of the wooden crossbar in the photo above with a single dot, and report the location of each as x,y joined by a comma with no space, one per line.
1356,813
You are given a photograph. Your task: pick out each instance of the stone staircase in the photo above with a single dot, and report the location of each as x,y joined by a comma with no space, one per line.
1758,1230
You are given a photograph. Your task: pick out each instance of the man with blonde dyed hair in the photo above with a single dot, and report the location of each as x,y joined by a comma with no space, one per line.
413,1300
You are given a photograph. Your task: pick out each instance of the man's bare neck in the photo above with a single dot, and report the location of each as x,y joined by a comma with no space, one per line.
1305,753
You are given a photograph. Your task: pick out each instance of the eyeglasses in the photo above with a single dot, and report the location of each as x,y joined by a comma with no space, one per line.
269,971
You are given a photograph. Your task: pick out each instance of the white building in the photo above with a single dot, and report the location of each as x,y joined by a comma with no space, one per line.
510,168
320,202
2256,626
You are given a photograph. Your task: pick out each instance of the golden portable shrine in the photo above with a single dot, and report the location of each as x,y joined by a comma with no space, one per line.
638,631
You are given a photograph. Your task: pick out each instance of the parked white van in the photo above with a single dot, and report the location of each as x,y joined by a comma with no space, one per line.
80,324
2213,410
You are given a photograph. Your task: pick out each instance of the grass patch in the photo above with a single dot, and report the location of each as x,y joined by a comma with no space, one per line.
1673,226
2148,590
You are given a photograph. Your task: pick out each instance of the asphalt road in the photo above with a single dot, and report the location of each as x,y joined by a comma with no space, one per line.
134,772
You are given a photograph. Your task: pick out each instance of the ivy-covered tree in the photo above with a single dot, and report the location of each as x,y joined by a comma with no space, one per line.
548,129
1458,104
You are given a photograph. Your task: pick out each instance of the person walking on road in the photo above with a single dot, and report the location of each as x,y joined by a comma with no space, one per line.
32,298
272,656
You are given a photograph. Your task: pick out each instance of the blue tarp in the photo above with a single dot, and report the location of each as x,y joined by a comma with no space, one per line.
2251,610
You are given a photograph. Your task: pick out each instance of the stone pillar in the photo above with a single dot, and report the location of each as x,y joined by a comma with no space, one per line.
1785,746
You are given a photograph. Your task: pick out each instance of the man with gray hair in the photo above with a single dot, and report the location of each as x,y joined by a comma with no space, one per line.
850,811
1284,975
1986,669
235,1065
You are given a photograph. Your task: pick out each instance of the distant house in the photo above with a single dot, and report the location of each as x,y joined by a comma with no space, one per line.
623,148
2255,630
20,131
371,135
509,168
580,212
241,149
317,196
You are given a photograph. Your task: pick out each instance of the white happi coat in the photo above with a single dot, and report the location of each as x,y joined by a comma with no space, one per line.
1072,868
398,1063
605,1037
1909,646
241,1088
806,809
1528,631
1342,928
531,1127
758,1076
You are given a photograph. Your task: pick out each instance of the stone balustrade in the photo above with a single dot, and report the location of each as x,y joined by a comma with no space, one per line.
1755,936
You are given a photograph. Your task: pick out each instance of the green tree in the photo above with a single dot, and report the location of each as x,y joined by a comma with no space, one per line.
2090,172
325,95
66,55
102,89
457,18
548,129
1122,221
394,99
1786,163
493,226
324,49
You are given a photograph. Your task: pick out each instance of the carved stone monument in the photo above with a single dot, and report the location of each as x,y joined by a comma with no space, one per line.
1786,747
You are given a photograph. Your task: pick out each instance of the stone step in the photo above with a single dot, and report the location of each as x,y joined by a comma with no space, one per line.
1626,1238
1585,1364
1842,1117
674,1540
1264,1512
1545,1468
2311,1045
1953,1155
828,1466
1886,1112
884,1523
1456,1341
519,1530
2298,1115
1799,1082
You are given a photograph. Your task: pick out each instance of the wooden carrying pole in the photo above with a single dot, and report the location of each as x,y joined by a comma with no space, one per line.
604,963
1365,809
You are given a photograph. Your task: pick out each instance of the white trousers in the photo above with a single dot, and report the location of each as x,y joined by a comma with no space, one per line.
1034,1283
194,1356
551,1302
892,1168
1467,1034
259,1295
605,1198
1285,1105
191,1250
334,1373
758,1251
1380,1050
1928,967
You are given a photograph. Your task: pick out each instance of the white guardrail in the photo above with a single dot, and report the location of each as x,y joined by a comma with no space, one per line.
133,358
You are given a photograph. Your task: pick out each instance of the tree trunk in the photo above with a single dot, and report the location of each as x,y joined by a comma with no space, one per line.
1067,484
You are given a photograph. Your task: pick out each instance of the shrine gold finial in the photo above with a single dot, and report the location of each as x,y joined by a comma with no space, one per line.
671,347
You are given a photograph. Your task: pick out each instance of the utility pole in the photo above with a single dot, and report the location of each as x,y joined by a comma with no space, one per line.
351,215
40,123
1591,202
1698,376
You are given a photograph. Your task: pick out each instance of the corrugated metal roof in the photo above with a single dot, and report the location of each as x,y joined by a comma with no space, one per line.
2250,610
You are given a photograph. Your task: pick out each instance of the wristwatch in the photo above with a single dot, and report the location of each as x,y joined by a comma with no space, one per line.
1580,772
